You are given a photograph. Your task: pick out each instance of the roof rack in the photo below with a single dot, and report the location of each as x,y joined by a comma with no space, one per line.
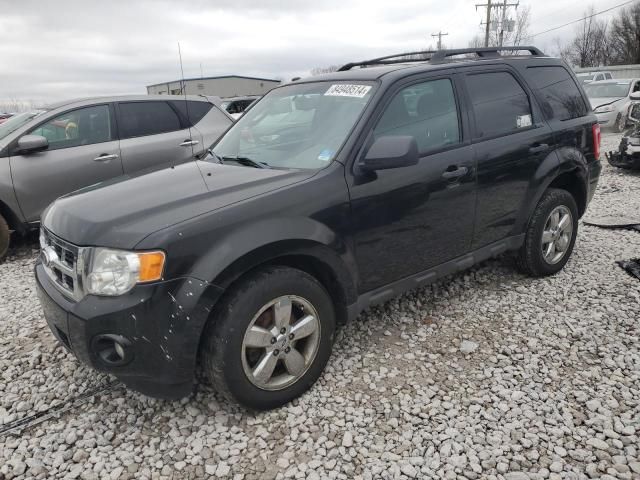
441,55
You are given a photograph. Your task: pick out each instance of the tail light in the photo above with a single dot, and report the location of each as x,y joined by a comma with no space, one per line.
596,140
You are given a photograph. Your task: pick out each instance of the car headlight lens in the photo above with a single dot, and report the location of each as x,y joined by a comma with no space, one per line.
604,109
115,272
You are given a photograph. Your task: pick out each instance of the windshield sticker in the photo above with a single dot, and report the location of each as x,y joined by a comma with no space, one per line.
523,121
325,155
346,90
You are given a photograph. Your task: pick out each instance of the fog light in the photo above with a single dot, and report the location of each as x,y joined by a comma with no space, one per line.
112,350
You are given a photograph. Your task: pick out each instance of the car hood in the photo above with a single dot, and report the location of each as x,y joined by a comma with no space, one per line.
598,102
121,212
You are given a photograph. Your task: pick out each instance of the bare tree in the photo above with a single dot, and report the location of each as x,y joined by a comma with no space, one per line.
590,45
624,36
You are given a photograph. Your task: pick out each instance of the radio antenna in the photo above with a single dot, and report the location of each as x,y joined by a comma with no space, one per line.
189,141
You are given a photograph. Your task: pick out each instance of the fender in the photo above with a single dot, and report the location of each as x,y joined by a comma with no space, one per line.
242,249
561,161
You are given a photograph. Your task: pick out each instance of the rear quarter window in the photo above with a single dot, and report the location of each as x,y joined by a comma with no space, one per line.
197,110
558,93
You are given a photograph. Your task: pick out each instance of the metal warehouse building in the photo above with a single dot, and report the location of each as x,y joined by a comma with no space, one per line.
223,86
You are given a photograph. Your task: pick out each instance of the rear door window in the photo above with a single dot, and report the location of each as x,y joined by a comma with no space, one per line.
558,93
139,119
197,110
84,126
500,105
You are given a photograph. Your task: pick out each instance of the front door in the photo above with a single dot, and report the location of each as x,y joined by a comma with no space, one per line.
83,150
409,219
152,136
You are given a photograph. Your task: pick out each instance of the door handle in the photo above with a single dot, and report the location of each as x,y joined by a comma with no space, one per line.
454,172
189,143
106,157
539,148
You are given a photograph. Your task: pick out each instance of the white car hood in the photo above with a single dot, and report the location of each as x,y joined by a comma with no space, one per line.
597,102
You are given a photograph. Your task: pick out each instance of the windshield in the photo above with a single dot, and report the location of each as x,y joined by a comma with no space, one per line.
607,90
297,126
16,122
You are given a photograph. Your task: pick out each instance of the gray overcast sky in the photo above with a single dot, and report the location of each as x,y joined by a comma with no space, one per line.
51,50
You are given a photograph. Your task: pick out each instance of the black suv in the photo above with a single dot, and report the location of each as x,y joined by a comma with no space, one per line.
331,194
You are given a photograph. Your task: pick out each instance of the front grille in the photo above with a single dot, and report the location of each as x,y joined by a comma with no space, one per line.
60,261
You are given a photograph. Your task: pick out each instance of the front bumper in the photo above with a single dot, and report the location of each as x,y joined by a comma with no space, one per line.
159,326
627,156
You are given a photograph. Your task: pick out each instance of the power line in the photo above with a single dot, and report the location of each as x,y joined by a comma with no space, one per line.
581,19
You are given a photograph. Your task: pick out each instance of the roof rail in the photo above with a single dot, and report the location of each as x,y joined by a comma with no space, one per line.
484,52
389,59
440,55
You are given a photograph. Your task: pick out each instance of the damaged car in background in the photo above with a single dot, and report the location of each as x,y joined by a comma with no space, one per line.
628,154
610,100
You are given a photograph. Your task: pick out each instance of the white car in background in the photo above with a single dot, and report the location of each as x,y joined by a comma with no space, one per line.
588,77
610,100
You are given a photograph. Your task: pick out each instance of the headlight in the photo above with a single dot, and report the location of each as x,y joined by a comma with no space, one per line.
604,109
114,272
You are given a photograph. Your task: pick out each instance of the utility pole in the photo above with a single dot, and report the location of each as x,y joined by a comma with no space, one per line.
439,35
504,18
489,6
487,24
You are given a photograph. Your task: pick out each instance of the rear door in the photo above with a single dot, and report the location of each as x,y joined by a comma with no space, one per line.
83,150
153,135
510,141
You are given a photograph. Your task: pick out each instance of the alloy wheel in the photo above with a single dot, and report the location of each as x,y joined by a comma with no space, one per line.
557,234
281,342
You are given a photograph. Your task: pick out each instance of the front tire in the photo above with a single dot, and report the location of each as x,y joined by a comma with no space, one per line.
550,236
270,338
5,238
621,123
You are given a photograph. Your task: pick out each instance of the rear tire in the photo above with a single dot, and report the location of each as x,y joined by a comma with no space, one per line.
270,338
5,238
550,236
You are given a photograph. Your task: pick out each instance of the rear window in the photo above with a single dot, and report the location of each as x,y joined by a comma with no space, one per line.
557,92
197,110
139,119
500,105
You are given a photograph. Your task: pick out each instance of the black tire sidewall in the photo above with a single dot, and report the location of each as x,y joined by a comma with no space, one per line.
621,123
551,200
233,320
5,238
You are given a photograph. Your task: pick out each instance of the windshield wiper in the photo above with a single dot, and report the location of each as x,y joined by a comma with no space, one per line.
245,161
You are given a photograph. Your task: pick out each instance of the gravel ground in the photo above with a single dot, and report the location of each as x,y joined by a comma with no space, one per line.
488,374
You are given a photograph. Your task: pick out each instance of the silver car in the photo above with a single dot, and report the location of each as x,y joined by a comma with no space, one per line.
610,100
63,147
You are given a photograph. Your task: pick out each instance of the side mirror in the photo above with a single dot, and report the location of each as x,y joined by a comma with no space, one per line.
392,151
635,96
32,144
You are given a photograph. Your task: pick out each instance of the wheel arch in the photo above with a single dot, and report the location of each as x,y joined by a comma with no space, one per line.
309,256
561,169
12,219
